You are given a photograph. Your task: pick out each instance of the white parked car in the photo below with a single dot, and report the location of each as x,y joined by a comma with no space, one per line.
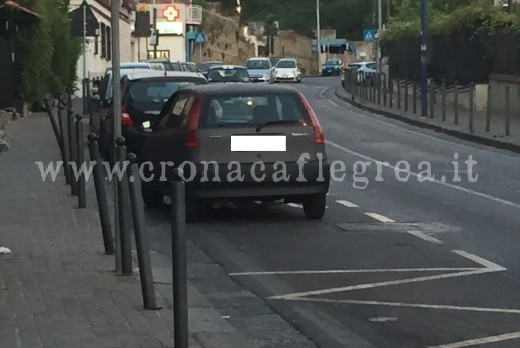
287,70
361,67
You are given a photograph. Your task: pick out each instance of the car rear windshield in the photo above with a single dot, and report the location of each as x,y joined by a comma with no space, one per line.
241,110
332,62
157,90
258,65
228,75
286,64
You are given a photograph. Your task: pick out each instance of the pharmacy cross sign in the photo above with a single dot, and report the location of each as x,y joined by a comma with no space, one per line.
170,13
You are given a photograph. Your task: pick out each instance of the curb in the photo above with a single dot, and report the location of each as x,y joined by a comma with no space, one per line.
462,135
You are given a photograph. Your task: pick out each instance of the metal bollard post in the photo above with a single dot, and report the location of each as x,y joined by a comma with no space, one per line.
72,152
391,91
414,96
432,97
508,111
379,82
141,238
124,205
384,90
399,93
54,125
456,101
443,100
101,194
63,120
471,107
489,109
80,157
406,94
179,266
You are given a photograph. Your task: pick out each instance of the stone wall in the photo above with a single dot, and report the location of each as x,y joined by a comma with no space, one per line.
225,40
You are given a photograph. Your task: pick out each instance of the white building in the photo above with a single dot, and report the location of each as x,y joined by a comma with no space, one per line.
98,50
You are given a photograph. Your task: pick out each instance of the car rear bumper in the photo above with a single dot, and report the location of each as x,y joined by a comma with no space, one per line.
291,78
135,139
255,181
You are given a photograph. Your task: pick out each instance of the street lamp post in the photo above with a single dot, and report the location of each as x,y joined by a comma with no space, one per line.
318,34
424,72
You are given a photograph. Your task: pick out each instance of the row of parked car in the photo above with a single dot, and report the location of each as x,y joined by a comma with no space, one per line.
183,116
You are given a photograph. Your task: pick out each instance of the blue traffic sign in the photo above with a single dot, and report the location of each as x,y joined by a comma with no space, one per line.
369,35
200,38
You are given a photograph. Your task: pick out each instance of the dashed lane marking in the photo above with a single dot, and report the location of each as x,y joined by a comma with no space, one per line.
333,103
380,217
474,342
347,204
459,188
425,237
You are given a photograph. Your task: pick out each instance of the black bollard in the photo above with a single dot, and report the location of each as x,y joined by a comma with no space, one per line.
406,94
443,99
489,108
179,263
414,96
456,101
80,157
54,125
65,137
101,194
432,97
141,238
471,107
123,209
72,152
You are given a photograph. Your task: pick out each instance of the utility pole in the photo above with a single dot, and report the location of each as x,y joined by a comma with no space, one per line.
155,32
424,71
379,33
318,34
116,102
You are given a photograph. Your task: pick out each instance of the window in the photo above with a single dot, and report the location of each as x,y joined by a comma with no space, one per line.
251,110
228,75
372,66
257,64
109,45
286,64
178,114
103,41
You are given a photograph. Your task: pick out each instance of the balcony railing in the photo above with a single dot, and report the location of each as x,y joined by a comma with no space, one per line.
194,15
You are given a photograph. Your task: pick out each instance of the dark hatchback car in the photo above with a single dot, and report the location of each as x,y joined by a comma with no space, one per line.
204,67
237,142
331,67
143,95
228,73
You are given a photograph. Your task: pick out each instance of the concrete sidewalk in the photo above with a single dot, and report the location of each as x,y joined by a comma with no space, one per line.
496,137
58,289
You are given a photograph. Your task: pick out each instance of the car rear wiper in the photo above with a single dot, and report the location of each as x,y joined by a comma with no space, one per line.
273,123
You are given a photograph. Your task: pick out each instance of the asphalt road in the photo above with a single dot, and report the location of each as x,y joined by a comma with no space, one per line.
393,263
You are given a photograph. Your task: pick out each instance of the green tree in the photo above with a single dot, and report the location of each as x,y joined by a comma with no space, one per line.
49,54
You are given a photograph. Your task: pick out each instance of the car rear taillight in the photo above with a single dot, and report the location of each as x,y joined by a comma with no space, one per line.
126,120
319,138
192,124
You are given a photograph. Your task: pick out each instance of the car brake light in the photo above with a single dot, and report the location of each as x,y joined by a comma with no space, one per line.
319,138
126,120
192,125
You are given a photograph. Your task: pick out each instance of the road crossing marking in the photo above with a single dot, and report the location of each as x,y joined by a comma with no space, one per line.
490,339
347,204
380,217
425,237
344,271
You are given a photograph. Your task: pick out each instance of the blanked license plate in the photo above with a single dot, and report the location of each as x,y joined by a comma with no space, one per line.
258,143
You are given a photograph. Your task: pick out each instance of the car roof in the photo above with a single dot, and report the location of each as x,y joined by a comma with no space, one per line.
230,67
142,74
287,59
259,58
240,88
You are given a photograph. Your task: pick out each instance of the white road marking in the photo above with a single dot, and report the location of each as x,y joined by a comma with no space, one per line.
375,270
425,237
333,103
480,260
294,205
490,267
382,319
459,188
347,204
490,339
409,305
379,217
426,135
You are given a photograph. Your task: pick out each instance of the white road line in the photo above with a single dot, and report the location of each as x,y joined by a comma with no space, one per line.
347,203
294,205
459,188
379,217
479,260
375,270
425,237
333,103
381,284
426,135
409,305
490,339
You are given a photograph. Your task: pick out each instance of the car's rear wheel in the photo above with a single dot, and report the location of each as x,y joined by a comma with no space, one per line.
152,199
314,206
